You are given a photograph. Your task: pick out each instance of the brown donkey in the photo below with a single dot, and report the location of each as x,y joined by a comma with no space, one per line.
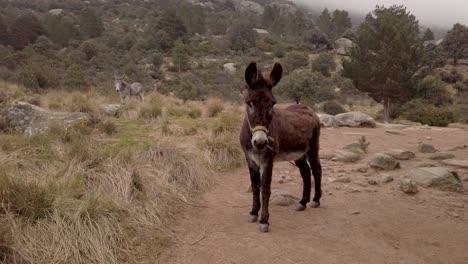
271,134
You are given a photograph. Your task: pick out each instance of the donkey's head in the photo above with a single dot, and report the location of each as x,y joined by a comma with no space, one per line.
260,102
118,82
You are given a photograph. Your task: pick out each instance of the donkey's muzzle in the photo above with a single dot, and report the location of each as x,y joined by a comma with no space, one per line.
259,140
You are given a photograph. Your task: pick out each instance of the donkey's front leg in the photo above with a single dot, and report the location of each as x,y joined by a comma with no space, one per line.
266,191
254,171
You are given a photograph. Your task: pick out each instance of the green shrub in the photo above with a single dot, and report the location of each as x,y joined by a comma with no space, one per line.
295,60
333,108
433,90
195,113
324,63
452,76
149,111
37,74
428,114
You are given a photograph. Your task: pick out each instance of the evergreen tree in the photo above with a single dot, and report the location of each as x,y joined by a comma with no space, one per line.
428,35
91,24
340,23
61,29
3,32
180,56
25,30
193,17
456,42
242,37
171,25
325,22
386,55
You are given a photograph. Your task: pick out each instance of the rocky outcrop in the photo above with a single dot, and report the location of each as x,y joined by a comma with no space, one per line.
111,109
350,119
400,154
355,119
343,46
230,67
21,117
250,6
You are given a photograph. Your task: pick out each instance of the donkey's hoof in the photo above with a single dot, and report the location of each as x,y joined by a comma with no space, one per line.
315,205
264,228
300,207
252,218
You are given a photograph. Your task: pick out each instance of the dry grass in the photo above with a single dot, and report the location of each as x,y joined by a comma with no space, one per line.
108,193
214,106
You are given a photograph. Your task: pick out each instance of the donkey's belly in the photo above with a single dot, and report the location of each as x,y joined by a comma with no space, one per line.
289,156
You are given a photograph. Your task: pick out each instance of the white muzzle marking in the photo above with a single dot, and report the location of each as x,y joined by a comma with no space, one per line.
259,138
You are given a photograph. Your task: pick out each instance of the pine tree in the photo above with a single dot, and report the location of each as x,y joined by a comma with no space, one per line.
325,22
91,24
456,42
340,23
25,30
180,56
387,53
428,35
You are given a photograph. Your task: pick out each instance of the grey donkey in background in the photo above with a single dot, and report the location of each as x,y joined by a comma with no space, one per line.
127,90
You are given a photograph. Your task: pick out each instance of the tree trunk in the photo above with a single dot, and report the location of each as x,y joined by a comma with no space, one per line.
387,107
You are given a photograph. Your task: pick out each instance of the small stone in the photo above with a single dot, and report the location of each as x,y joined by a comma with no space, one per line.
346,156
428,138
282,198
394,132
457,148
408,186
426,148
363,169
341,170
441,156
343,180
385,178
355,212
425,164
372,181
400,154
457,163
458,205
352,190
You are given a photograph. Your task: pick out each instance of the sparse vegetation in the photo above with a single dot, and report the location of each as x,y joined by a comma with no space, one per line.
214,107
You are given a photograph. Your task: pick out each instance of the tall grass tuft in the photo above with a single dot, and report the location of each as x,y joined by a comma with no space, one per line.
214,107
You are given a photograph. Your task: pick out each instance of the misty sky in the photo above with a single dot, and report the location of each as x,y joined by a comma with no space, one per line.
429,12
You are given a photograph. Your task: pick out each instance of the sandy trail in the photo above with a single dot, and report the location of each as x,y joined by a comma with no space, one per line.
357,223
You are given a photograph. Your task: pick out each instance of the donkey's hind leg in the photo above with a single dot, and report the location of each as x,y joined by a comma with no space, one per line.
314,161
306,179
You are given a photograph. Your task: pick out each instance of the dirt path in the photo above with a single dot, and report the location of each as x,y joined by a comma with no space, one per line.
357,223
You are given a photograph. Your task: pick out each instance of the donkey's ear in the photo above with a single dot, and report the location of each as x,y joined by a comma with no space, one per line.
275,75
251,74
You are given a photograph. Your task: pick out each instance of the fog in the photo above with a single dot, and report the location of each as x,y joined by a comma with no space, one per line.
428,12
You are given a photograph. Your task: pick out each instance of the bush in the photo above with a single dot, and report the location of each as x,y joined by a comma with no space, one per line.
324,63
149,111
214,107
295,60
420,111
108,127
452,76
304,85
460,86
186,90
333,108
37,74
194,113
431,89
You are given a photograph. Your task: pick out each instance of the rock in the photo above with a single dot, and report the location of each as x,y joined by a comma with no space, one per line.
29,119
408,186
261,32
327,120
363,169
394,132
457,163
56,12
343,46
435,177
343,180
372,181
441,156
282,198
425,164
111,109
230,67
345,156
250,6
326,156
457,148
400,154
355,213
355,119
426,148
383,161
385,178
